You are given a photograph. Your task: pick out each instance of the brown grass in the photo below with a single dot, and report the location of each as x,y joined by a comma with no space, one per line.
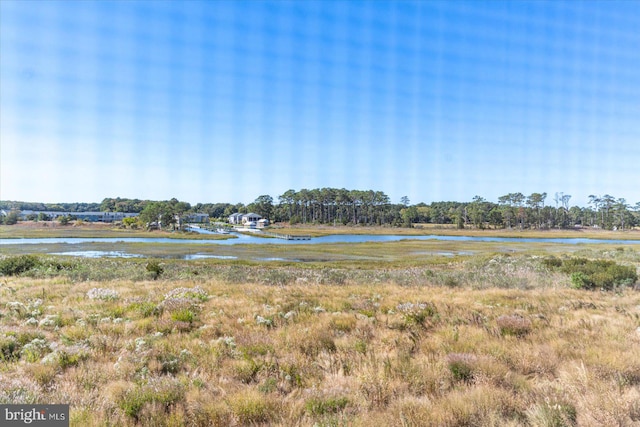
322,354
451,230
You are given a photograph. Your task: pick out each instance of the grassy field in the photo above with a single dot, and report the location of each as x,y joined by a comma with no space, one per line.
386,338
360,255
450,230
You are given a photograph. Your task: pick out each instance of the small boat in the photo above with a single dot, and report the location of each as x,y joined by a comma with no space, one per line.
222,231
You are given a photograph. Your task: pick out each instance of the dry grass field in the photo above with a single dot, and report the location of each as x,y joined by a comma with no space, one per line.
451,230
488,340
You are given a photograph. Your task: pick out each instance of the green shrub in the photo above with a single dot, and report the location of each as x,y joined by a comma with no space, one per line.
184,315
580,280
25,337
146,308
552,262
67,360
134,401
268,386
169,363
594,274
155,269
329,405
34,350
164,394
15,265
252,408
56,266
11,218
246,370
360,346
9,349
462,366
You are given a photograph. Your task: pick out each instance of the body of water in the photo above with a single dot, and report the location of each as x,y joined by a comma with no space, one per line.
335,238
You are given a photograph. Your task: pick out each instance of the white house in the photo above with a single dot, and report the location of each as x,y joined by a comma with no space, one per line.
251,217
235,218
238,218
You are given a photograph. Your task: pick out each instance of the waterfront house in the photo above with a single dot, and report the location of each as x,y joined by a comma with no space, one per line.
235,218
251,217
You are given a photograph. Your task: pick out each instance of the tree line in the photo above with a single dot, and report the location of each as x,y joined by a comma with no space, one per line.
513,210
370,207
9,205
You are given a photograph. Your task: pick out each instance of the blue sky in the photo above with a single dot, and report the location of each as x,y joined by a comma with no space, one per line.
224,101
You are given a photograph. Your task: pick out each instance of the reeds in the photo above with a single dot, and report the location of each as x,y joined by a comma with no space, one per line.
226,347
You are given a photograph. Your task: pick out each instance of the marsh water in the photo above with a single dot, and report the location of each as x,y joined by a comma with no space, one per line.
334,238
192,249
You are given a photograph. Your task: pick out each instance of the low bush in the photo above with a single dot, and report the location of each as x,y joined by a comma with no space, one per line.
164,394
184,315
145,308
329,405
33,351
15,265
67,360
155,269
552,262
9,349
594,274
419,313
552,414
196,293
513,325
462,366
251,407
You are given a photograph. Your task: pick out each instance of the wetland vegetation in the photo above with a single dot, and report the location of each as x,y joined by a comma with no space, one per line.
398,333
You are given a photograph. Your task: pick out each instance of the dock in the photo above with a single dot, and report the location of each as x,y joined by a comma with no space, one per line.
287,236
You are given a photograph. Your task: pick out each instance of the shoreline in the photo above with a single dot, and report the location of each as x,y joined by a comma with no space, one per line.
37,230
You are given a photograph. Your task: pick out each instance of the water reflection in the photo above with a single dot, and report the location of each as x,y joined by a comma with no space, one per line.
99,254
206,256
122,254
334,238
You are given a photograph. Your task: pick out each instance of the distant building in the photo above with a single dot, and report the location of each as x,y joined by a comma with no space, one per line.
251,217
238,218
200,218
235,218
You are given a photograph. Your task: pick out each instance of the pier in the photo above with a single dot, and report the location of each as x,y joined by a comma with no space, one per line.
286,236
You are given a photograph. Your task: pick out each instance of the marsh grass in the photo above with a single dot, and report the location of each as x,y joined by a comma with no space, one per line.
46,229
508,344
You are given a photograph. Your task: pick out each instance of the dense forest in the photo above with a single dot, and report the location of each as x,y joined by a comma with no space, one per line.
369,207
8,205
